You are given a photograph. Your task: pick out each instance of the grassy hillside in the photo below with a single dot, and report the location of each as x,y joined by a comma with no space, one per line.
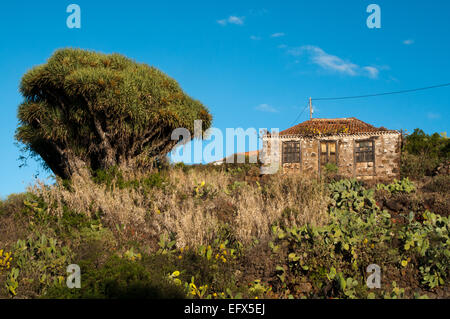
224,232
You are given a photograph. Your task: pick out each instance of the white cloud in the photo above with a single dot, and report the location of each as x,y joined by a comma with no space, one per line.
222,22
231,20
325,60
372,72
266,108
254,37
408,42
333,63
282,46
277,35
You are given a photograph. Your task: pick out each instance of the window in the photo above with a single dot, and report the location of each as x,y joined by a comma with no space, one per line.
291,152
364,151
328,152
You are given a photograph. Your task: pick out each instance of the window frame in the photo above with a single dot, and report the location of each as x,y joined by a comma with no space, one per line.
326,154
365,152
295,152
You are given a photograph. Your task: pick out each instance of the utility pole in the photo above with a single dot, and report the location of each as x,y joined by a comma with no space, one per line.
310,109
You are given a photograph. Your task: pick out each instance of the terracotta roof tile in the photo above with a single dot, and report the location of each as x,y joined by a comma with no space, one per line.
349,125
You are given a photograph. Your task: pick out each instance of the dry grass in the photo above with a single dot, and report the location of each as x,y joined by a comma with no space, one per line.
11,227
193,206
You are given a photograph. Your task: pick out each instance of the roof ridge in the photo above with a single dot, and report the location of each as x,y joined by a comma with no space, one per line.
316,126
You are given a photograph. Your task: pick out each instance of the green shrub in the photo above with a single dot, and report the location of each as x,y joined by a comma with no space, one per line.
210,265
117,278
417,166
422,153
113,177
41,262
434,146
402,186
108,176
351,195
429,242
94,244
331,168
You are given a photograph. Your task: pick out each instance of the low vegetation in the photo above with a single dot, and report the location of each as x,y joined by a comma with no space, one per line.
424,154
223,232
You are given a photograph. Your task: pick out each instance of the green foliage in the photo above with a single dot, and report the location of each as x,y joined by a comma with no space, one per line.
12,283
359,234
204,191
402,186
240,169
422,153
113,178
396,293
109,176
351,195
41,260
302,261
435,145
70,222
347,286
258,289
5,260
191,289
84,108
331,168
117,278
166,246
417,166
234,188
429,242
94,244
342,244
210,265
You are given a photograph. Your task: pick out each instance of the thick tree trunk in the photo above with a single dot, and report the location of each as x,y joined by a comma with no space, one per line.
61,161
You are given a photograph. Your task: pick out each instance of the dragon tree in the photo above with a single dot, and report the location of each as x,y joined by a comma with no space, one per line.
84,109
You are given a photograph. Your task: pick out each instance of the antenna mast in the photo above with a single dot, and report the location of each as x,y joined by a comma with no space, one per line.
310,109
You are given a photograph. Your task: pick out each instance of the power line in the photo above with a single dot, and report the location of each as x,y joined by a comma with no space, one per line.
380,94
295,121
368,95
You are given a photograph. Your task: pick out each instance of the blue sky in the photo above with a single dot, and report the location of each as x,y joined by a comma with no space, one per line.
252,63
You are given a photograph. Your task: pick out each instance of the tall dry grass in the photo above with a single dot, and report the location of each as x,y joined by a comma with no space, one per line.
193,206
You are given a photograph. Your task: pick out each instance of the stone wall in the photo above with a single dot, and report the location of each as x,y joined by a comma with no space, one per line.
385,166
387,156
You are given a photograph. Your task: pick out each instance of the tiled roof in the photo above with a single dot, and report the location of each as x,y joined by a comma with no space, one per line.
349,125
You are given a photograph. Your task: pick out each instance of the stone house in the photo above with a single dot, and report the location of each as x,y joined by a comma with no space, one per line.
357,149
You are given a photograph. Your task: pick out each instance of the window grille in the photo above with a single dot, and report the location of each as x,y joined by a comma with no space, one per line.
291,152
328,152
364,151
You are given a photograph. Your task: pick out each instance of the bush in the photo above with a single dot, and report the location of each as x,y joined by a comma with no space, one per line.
331,168
429,243
352,196
39,261
94,244
117,278
422,153
417,166
402,186
334,257
439,184
433,146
